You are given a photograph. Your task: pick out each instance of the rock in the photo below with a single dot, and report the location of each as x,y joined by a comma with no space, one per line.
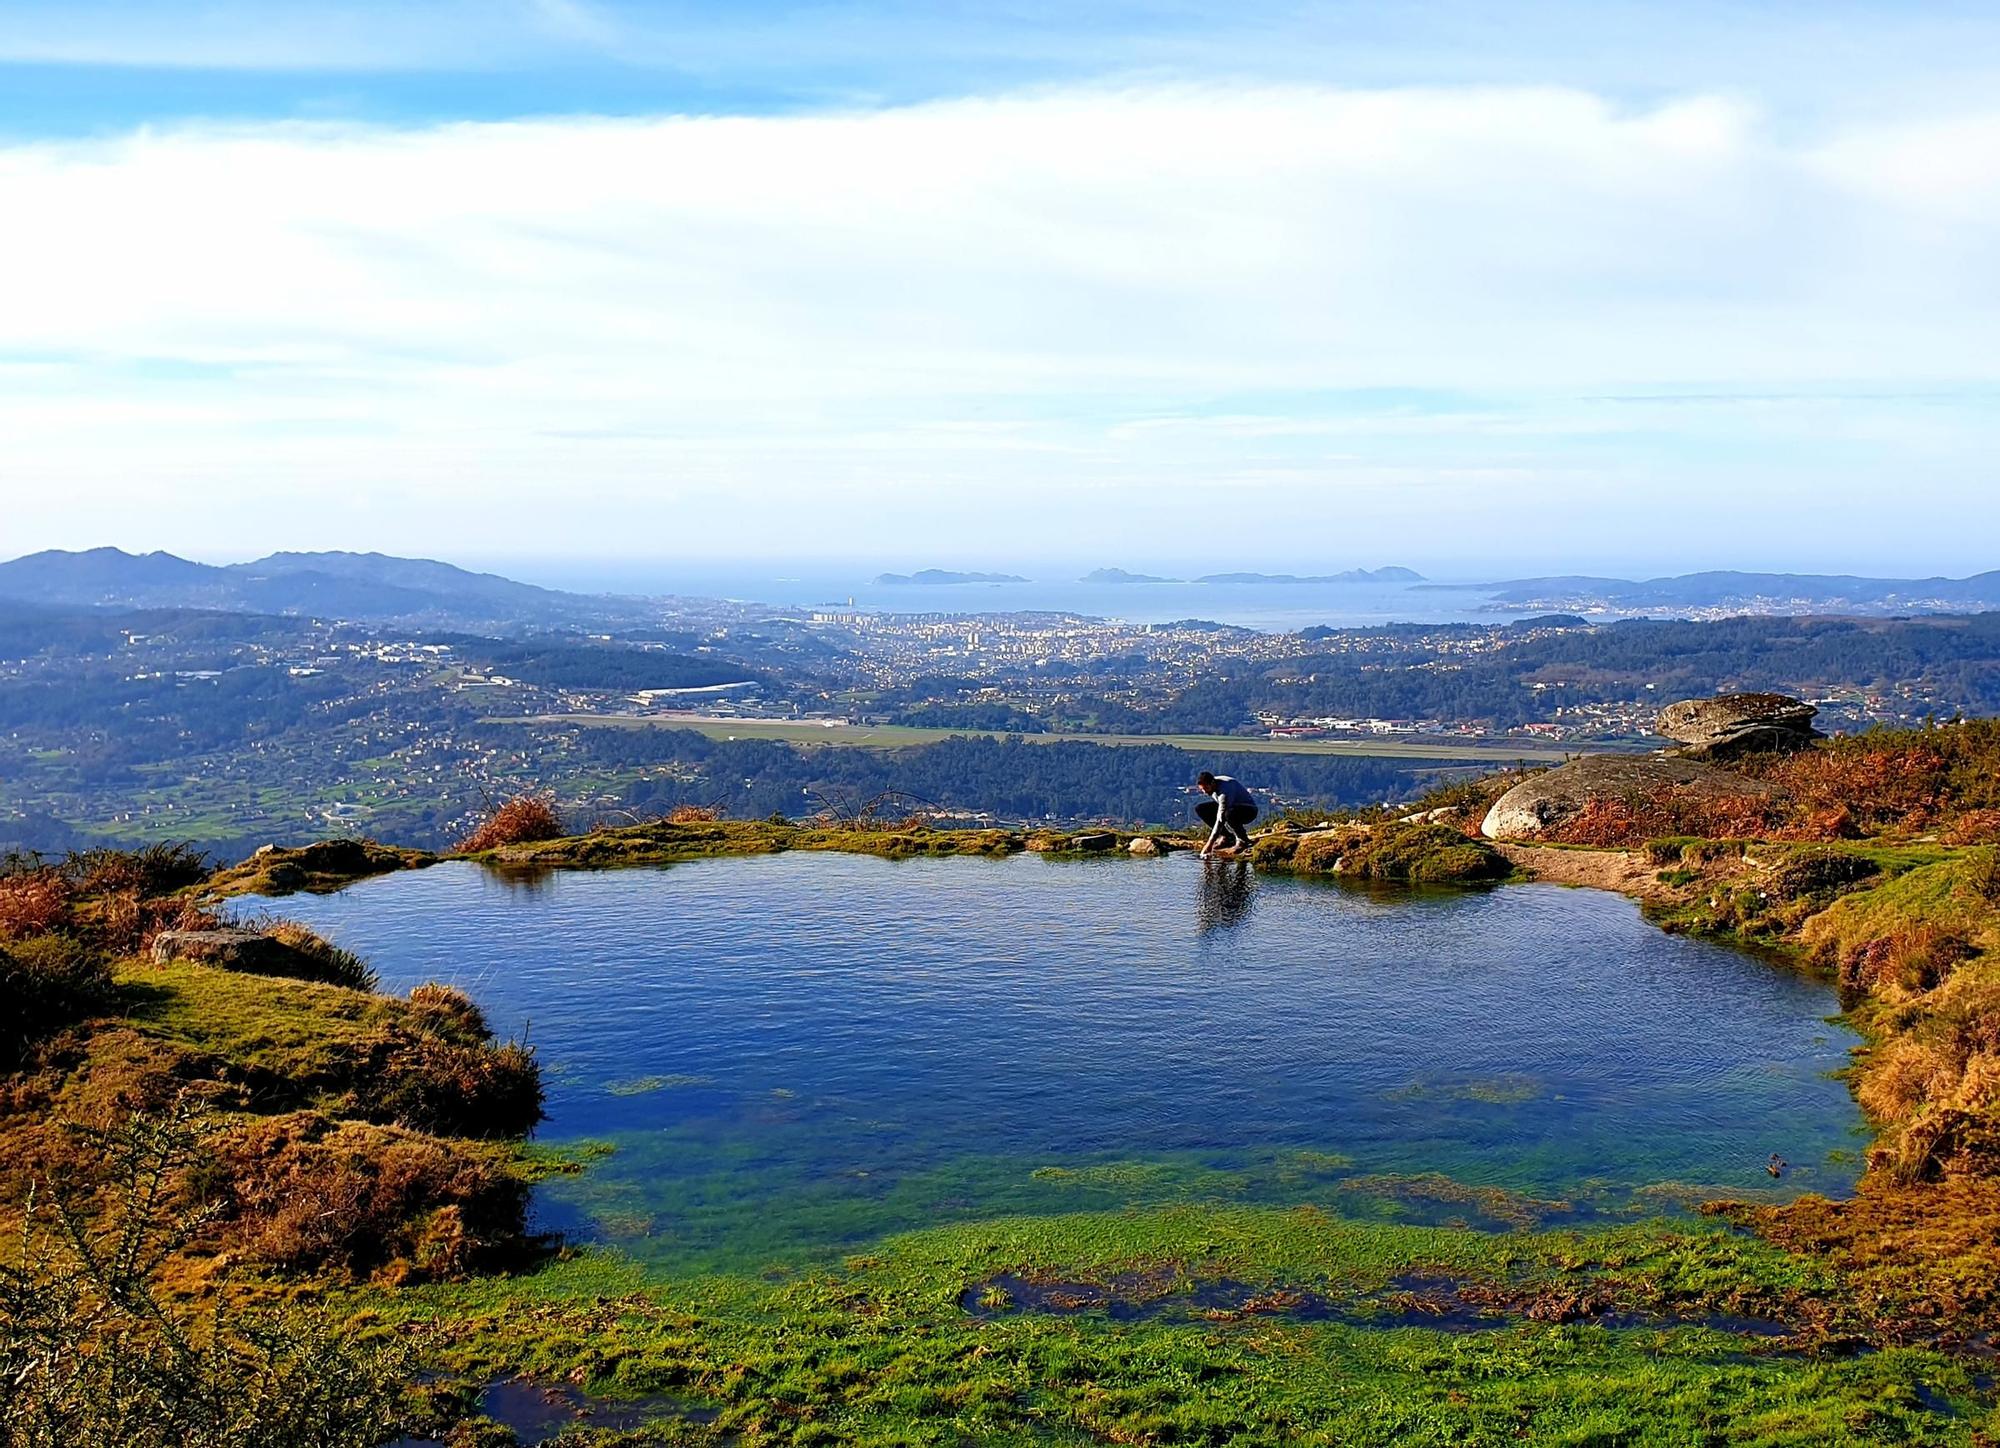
1756,739
230,947
1431,816
1730,725
1546,800
1094,842
1144,848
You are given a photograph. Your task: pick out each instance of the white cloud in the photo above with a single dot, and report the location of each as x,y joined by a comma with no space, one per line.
650,314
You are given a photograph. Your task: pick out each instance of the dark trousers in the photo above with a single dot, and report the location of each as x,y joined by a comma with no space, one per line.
1235,824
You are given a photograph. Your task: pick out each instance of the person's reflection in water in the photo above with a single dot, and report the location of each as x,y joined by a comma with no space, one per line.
1225,895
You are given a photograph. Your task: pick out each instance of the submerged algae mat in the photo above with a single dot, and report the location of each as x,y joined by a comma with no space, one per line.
795,1055
1247,1326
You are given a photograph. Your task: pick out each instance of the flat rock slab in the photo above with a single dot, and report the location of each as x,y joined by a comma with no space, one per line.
1707,721
228,948
1546,800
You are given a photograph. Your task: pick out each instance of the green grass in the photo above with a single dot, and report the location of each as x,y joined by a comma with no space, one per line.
291,1029
880,1350
902,736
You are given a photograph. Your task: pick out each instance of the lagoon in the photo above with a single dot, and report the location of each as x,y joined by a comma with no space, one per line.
792,1055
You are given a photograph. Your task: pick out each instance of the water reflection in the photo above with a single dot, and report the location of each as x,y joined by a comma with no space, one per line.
1226,893
521,879
805,1051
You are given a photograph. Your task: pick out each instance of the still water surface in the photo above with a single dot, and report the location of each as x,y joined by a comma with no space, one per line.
796,1053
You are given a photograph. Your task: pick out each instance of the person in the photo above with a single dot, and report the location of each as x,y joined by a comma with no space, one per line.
1227,812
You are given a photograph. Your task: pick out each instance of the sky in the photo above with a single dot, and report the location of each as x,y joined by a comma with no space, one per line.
1483,289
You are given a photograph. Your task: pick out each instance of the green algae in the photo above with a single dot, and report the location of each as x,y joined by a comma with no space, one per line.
882,1347
646,1085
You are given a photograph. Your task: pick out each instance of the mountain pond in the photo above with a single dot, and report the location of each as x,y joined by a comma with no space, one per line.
792,1055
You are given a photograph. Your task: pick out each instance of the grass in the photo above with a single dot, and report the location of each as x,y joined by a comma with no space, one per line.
882,1349
664,842
903,736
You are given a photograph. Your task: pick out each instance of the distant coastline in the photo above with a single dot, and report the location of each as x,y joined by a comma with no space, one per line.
1391,574
937,577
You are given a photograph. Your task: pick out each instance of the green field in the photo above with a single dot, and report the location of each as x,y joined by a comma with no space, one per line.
900,736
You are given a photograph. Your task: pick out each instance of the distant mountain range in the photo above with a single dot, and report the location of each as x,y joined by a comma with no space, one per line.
1780,592
931,577
1352,575
365,587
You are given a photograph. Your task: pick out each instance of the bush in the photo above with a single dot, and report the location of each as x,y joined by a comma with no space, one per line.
150,870
450,1012
454,1088
47,984
1910,959
35,901
307,1192
1812,873
92,1352
522,820
127,922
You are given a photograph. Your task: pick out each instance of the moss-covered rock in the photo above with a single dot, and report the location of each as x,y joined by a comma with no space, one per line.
1411,851
322,866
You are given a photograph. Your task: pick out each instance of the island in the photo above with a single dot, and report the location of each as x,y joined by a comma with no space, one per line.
1120,575
931,577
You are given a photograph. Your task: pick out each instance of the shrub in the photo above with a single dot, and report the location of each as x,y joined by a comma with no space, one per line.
35,901
453,1087
46,984
1910,959
150,870
92,1351
1817,872
522,820
307,1192
694,814
450,1012
1974,827
126,923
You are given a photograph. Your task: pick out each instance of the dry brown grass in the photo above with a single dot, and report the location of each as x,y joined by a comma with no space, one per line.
522,820
693,814
305,1191
1880,785
1611,823
34,902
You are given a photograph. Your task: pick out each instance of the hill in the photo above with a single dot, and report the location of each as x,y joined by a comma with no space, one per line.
1789,592
367,587
932,577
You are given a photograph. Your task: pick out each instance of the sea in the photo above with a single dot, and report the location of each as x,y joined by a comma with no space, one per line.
1269,607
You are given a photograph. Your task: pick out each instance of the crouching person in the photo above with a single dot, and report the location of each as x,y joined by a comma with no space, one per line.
1227,812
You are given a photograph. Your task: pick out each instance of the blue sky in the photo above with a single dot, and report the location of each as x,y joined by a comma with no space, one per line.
1503,288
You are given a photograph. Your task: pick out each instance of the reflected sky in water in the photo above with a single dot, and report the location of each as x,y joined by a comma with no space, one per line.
812,1048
